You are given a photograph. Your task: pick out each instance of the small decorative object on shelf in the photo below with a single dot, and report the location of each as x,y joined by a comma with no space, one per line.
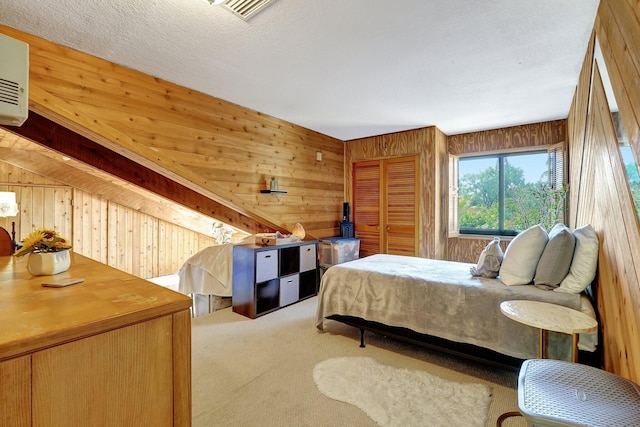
48,252
298,230
273,187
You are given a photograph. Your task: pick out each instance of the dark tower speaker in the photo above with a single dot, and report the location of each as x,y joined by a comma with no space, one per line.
345,212
346,227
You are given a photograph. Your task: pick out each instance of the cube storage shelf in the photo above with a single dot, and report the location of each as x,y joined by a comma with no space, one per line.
267,278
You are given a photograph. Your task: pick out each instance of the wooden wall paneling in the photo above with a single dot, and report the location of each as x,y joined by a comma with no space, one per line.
44,207
188,136
620,304
90,226
515,137
6,177
144,236
468,249
428,187
117,236
185,244
600,191
619,242
38,205
163,250
621,51
441,198
577,123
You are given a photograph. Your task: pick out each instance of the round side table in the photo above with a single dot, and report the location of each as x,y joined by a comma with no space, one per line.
550,317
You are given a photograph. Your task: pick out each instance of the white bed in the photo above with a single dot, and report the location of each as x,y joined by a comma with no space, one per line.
442,299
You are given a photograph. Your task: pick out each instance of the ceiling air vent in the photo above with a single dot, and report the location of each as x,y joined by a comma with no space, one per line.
245,9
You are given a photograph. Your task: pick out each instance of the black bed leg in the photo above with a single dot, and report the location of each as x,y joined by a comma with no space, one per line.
361,338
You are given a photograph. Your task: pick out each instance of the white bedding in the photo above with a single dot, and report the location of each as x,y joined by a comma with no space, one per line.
439,298
208,272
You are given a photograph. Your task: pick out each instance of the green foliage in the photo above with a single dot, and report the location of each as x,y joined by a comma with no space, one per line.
634,184
526,204
533,204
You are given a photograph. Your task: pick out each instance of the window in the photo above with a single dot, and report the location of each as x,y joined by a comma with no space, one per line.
505,193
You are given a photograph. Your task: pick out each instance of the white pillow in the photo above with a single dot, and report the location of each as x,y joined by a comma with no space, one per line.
522,256
584,263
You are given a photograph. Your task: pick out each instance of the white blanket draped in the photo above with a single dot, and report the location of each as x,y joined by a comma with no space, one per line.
208,272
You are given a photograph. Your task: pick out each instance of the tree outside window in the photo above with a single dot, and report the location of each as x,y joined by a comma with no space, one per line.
504,194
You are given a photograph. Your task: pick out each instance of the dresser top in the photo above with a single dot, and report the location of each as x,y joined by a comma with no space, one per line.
35,317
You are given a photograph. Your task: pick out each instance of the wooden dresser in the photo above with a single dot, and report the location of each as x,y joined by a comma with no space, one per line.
114,350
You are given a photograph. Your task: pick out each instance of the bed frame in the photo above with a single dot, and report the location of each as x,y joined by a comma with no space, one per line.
467,351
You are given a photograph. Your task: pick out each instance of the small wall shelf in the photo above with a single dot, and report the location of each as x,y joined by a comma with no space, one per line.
273,191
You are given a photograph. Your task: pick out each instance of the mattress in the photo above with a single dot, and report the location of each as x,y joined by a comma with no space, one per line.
442,299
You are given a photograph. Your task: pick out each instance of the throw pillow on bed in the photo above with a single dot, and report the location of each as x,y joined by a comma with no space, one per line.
490,260
556,258
584,263
522,256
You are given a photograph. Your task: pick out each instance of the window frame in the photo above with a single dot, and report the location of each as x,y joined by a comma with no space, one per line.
557,178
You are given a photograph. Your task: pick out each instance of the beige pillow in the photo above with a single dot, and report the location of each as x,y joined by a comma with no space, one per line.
522,256
584,263
556,258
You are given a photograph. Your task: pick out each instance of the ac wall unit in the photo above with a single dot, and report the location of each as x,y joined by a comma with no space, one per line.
14,81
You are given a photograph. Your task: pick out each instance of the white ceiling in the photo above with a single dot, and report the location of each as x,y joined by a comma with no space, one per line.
344,68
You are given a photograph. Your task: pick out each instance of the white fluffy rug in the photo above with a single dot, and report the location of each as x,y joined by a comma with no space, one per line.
400,397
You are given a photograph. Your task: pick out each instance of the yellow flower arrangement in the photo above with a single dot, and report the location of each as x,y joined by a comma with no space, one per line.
42,240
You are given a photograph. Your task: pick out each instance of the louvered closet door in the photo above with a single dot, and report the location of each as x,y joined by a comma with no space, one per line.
401,203
385,206
366,206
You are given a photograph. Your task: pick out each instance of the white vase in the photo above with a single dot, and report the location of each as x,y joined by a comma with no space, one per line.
49,263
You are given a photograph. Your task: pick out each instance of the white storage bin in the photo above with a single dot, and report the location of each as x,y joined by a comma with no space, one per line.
308,258
289,289
266,265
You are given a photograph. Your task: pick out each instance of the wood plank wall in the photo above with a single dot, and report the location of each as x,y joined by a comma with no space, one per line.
105,231
600,193
430,145
225,152
42,202
467,248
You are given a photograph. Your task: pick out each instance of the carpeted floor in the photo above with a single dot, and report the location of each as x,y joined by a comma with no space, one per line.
260,372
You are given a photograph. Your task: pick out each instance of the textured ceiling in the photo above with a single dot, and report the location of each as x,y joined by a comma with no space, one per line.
347,69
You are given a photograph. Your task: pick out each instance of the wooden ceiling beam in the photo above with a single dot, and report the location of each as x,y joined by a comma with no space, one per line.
47,133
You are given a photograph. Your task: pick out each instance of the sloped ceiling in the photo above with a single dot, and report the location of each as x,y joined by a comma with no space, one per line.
346,69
